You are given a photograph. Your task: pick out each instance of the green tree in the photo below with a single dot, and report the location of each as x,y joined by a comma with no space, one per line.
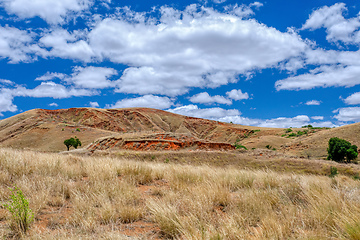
341,150
72,142
68,143
76,143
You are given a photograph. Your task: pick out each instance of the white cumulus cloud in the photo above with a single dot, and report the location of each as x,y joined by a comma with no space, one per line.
205,98
53,104
6,101
92,77
52,90
234,116
63,44
353,99
318,117
149,101
337,27
313,103
196,47
17,45
50,76
350,114
237,94
94,104
325,76
209,113
52,11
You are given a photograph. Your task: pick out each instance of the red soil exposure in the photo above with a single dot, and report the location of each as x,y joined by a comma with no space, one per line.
158,142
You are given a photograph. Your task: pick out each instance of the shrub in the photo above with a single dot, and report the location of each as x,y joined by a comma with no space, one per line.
341,150
333,172
300,133
288,130
292,135
268,146
21,214
238,146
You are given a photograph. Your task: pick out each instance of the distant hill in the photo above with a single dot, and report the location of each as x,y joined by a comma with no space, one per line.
152,129
45,130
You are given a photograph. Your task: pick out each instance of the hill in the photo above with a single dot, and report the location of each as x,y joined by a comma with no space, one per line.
45,130
152,129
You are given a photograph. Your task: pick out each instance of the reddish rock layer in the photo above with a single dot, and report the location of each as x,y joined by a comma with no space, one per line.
158,142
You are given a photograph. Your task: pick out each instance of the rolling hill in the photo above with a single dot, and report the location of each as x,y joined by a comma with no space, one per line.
152,129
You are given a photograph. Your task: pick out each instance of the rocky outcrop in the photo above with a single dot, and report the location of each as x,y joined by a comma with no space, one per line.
157,142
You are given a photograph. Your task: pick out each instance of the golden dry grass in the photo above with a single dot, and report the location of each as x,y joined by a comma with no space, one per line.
77,197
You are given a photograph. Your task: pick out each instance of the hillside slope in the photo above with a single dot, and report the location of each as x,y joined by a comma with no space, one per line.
152,129
315,145
46,130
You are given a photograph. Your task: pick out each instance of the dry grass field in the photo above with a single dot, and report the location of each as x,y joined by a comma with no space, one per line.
112,197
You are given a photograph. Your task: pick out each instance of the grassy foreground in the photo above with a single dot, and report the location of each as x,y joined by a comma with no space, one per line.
76,197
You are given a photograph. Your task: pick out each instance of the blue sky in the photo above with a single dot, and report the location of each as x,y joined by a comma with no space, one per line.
262,63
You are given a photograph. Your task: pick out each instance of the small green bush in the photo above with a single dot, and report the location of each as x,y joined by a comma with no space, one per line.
78,129
333,172
292,135
268,146
288,130
21,214
238,146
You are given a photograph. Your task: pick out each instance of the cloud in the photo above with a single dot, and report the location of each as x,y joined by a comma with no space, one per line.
209,113
63,44
283,122
44,90
17,45
51,90
92,77
353,99
237,95
52,11
196,47
94,104
317,117
325,76
50,76
313,103
337,27
6,101
350,114
205,98
149,101
234,116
